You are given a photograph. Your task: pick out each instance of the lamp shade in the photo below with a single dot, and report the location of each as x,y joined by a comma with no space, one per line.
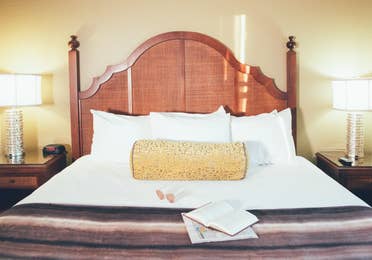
20,90
352,95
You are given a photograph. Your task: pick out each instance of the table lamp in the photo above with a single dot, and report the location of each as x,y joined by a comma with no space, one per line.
355,97
17,90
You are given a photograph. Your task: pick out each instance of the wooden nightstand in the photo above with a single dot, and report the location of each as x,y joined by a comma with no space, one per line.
356,178
17,180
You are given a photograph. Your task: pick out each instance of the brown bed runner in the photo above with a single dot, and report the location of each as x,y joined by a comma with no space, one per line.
75,232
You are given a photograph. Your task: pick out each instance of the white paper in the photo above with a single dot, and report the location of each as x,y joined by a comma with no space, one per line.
200,234
210,212
233,222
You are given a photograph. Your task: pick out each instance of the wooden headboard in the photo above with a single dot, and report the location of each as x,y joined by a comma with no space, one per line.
176,71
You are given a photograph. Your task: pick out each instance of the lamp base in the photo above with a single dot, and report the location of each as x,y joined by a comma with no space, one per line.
355,135
15,160
13,133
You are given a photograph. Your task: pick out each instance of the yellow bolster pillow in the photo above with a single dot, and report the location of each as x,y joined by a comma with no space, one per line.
176,160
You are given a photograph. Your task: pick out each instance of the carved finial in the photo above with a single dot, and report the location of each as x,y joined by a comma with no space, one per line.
74,43
291,44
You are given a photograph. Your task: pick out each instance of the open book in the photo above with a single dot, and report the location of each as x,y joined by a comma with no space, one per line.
200,234
223,217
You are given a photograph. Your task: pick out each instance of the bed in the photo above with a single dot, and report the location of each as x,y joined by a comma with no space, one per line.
96,209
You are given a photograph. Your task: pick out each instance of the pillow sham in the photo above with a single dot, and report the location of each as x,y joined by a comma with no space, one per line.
269,135
286,118
220,111
258,155
176,160
213,127
114,135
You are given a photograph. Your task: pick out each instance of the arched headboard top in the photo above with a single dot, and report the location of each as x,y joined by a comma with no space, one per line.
175,71
255,71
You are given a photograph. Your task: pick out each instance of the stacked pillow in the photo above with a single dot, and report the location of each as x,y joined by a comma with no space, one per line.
213,127
267,137
114,135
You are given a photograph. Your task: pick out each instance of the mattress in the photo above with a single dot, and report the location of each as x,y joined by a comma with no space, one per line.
298,184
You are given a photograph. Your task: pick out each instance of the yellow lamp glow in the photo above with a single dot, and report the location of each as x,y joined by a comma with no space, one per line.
353,96
17,90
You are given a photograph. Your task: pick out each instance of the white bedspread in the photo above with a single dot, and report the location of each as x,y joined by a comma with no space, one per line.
296,185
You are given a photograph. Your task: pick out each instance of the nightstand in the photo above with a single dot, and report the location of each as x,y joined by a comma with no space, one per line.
18,180
356,178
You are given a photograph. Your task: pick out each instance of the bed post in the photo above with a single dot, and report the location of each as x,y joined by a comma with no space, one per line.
292,83
74,75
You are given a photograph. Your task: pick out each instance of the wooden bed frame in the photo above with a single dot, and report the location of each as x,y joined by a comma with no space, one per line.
176,71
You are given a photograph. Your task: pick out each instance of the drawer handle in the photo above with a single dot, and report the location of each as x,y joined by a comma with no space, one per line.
12,181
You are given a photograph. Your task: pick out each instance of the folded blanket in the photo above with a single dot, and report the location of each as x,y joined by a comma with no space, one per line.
91,232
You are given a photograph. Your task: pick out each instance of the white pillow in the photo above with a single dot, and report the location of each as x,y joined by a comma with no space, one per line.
213,127
219,112
257,155
114,135
286,117
268,132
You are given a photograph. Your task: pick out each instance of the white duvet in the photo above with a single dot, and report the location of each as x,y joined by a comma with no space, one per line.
296,185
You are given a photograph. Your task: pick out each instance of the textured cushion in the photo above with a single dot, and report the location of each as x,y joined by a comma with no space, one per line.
177,160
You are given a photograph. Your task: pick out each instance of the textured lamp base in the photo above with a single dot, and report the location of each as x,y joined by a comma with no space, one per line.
355,135
13,133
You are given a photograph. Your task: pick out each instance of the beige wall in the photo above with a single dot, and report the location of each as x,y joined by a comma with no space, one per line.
334,40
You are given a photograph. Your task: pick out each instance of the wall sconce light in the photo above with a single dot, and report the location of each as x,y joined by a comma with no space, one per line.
17,90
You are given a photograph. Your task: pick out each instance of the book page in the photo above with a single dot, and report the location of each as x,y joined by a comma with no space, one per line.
210,212
200,234
234,222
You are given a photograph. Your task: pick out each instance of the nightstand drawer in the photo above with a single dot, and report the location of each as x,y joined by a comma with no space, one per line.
29,182
357,182
356,178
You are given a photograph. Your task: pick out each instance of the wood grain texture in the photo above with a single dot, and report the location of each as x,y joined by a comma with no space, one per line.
112,97
31,175
291,86
209,79
356,178
158,79
176,71
74,73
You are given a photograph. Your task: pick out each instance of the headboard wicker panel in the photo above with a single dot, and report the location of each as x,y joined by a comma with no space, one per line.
175,71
